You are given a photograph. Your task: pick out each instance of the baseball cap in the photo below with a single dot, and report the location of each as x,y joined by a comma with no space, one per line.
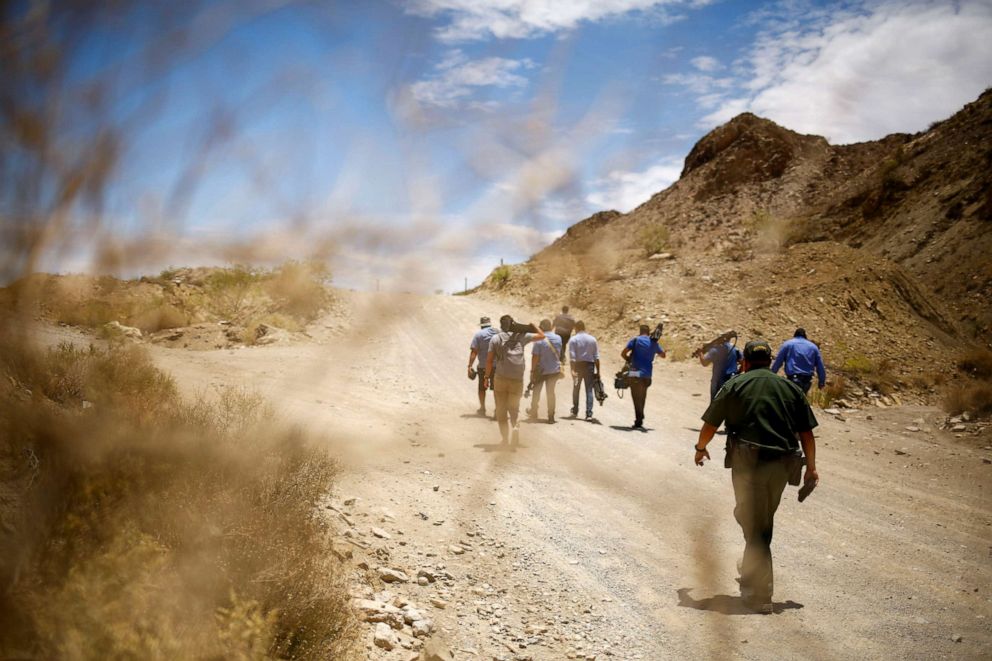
757,349
484,321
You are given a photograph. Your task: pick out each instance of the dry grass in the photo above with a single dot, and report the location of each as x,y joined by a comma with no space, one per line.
878,374
288,297
974,398
676,348
142,526
826,396
654,238
977,362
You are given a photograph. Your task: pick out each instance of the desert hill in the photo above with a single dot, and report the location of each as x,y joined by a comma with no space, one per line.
880,249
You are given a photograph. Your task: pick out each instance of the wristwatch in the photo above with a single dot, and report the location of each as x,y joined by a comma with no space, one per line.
699,449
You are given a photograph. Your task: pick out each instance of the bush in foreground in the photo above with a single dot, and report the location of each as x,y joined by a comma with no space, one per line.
140,526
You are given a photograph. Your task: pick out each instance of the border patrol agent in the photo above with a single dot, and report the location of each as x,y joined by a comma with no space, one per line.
764,415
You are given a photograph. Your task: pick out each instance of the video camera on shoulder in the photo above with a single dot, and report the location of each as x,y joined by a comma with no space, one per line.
656,333
508,325
715,342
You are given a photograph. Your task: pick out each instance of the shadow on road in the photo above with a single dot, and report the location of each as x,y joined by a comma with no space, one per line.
499,447
642,430
480,416
728,605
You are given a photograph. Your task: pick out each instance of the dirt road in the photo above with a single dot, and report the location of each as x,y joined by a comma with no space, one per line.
592,540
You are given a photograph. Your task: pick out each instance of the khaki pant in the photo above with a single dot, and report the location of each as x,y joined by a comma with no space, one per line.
549,381
508,393
758,487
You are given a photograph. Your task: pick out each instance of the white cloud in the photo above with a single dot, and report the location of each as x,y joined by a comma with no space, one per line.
706,63
456,79
861,74
624,190
469,20
698,83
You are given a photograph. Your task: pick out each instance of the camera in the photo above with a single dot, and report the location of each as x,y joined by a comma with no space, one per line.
656,333
508,325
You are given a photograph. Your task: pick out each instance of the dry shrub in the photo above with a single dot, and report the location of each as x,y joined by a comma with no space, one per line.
974,398
229,290
298,289
878,374
676,348
160,317
654,238
500,275
826,396
147,527
977,362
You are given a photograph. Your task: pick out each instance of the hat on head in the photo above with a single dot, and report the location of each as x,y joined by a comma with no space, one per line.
485,321
757,350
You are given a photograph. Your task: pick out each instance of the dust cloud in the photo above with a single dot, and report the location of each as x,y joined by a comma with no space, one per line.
72,139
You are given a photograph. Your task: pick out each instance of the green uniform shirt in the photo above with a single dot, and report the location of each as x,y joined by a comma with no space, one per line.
762,408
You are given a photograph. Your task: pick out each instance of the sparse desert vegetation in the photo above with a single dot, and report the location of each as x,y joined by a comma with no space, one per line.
140,525
243,297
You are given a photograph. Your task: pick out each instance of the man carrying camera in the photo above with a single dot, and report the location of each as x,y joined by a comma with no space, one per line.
545,370
640,353
583,352
764,415
480,349
725,359
505,368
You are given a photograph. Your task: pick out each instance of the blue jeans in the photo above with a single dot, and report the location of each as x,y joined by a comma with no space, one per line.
584,372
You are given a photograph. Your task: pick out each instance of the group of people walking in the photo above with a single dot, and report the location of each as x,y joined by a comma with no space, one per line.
497,358
768,419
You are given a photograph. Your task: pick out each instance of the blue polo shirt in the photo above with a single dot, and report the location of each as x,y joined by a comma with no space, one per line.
800,357
548,359
643,351
480,342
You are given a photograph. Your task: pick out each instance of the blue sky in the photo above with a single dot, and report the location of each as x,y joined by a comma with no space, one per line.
420,142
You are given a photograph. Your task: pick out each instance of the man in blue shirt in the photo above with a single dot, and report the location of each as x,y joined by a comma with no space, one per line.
724,358
583,352
480,349
801,357
545,370
640,352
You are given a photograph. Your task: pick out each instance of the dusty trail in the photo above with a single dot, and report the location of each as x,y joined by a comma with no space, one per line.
593,540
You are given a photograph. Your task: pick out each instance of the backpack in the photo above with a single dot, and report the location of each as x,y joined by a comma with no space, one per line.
510,357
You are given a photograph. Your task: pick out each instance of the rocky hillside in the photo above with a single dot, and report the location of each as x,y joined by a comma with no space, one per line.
880,249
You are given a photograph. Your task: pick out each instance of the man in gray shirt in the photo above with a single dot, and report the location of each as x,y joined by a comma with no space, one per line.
545,370
583,352
480,349
505,368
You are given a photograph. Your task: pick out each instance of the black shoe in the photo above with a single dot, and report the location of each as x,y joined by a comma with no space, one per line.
588,415
575,411
637,425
